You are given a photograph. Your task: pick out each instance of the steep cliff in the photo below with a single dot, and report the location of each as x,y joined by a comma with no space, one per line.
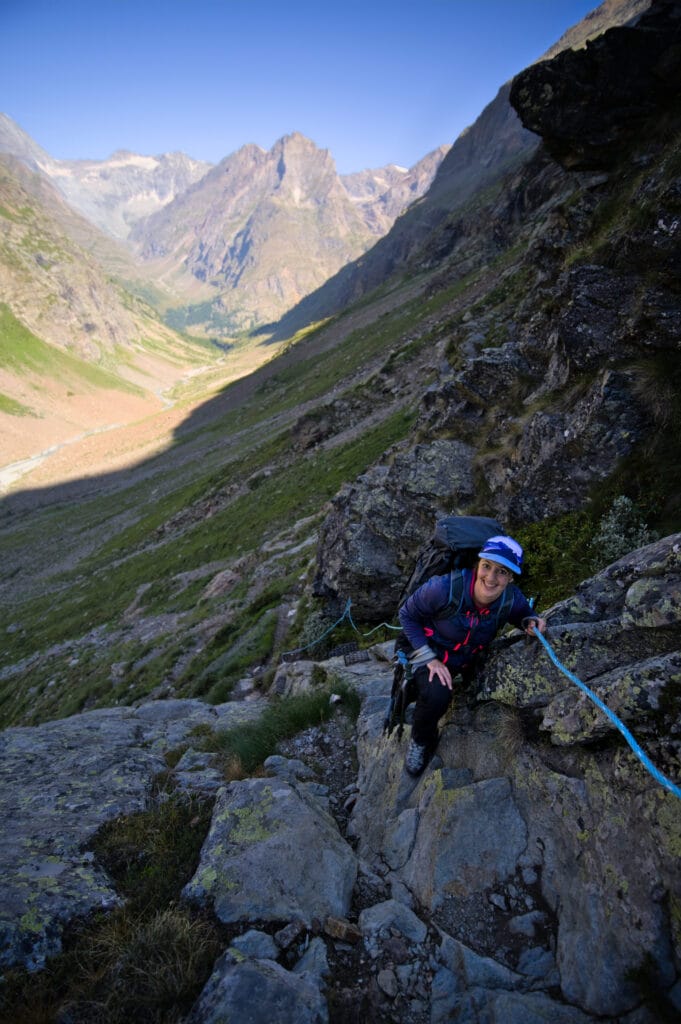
548,391
481,155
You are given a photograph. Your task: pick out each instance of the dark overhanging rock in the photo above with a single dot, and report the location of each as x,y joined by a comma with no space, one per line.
589,104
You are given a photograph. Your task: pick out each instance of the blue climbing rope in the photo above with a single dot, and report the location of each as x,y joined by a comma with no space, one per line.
313,643
381,625
347,614
643,758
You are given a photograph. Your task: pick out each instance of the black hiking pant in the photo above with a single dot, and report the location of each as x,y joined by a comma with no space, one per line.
432,701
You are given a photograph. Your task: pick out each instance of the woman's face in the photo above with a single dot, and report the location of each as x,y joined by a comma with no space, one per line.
490,581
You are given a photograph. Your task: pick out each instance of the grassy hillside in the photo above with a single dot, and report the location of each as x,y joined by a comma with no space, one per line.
21,350
182,574
193,570
137,558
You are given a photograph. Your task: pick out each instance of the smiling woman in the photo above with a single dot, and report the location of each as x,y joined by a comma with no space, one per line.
449,638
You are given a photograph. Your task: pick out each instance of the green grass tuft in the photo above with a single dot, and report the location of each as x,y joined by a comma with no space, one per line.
250,744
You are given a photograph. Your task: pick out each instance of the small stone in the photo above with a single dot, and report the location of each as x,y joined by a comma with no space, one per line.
387,982
526,924
498,900
396,949
345,931
256,944
285,937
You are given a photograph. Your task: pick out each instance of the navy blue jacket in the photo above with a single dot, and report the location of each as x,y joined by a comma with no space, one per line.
457,637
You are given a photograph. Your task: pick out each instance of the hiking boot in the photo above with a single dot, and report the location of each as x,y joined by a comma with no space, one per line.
415,760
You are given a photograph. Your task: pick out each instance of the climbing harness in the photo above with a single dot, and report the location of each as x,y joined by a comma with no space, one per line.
643,758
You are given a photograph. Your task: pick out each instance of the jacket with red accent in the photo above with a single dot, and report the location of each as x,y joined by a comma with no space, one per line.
454,636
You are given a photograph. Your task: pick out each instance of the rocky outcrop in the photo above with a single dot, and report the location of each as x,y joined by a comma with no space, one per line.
620,635
375,525
558,860
61,782
531,873
588,104
260,991
555,380
260,829
479,158
384,194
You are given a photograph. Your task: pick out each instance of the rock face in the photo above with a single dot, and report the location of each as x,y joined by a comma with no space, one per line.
562,849
497,141
369,537
260,829
47,279
259,991
548,388
530,874
586,105
60,783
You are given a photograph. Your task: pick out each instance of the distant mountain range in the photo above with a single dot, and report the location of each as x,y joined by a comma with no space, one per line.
112,194
107,266
246,239
264,229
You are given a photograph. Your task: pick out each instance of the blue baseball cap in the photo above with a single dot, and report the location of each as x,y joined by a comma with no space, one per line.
505,551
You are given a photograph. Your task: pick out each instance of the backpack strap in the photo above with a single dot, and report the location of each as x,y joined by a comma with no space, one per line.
456,588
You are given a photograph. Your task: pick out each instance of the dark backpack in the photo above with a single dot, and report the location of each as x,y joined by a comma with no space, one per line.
455,545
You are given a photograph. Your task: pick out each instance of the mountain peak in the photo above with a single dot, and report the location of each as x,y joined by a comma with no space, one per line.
295,139
14,140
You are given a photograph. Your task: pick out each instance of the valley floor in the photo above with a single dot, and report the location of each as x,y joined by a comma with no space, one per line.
97,432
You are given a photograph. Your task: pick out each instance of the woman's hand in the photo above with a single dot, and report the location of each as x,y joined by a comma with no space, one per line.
438,670
535,623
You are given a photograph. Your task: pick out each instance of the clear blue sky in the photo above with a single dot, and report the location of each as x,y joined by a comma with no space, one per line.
375,82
